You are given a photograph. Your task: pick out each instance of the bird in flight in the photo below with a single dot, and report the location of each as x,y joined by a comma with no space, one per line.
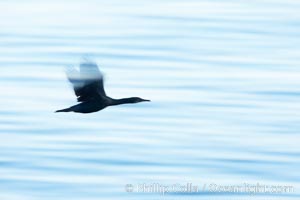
89,90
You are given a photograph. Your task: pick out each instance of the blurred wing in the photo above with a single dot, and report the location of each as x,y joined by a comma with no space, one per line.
73,76
88,83
91,75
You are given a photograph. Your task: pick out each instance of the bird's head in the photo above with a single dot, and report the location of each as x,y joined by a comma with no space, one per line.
137,100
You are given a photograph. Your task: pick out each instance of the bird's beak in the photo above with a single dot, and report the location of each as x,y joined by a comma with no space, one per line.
146,100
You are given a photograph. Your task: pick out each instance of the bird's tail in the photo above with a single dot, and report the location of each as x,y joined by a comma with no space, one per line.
64,110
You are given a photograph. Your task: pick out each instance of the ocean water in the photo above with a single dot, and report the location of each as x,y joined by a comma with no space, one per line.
223,78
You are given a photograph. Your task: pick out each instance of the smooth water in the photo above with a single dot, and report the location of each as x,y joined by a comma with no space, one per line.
223,77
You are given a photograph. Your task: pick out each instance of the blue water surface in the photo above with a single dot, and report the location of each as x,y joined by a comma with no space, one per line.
223,77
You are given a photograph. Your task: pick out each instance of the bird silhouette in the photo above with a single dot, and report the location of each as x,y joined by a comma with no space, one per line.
89,88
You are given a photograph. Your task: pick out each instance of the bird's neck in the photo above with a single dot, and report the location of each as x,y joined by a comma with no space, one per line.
115,102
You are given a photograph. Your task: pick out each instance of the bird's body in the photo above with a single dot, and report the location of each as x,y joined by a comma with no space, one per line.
89,89
85,107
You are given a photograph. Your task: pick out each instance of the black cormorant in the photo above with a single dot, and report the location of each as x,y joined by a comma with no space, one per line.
89,89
